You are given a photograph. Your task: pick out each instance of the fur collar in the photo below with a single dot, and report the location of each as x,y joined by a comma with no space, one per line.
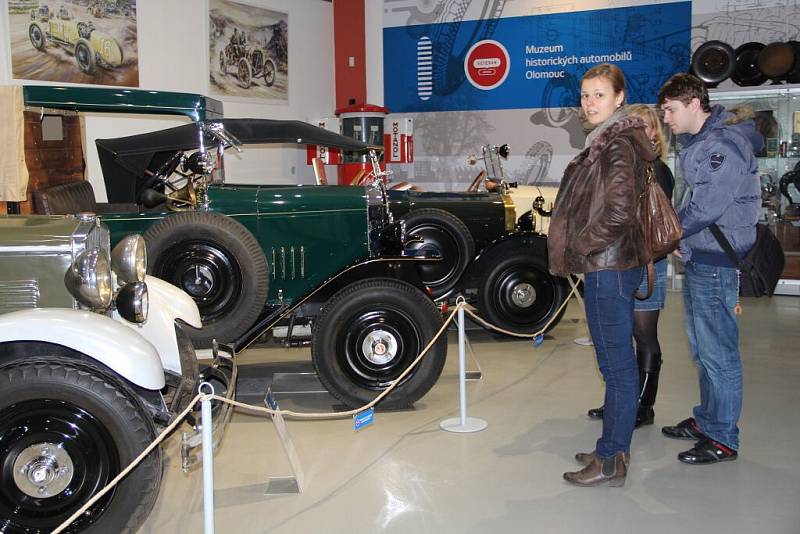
624,126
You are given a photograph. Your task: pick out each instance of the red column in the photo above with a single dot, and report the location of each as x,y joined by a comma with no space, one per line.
349,52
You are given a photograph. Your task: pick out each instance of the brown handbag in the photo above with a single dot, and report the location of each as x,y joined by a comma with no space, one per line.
660,225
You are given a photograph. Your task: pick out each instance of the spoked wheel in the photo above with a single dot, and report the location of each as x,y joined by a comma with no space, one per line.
368,334
518,292
38,40
244,73
219,263
84,56
67,430
269,72
444,234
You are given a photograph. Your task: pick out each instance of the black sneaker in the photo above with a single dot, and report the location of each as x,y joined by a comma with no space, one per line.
686,429
707,451
596,413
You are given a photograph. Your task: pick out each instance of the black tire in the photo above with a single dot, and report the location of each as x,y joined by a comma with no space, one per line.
447,235
219,263
37,36
244,73
391,313
97,426
713,62
269,72
517,292
84,57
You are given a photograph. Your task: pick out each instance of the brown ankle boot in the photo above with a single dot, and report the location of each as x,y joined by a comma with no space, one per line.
611,471
585,458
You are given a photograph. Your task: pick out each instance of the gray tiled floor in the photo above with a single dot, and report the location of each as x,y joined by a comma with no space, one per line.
405,475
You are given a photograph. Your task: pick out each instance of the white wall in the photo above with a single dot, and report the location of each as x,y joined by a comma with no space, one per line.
173,56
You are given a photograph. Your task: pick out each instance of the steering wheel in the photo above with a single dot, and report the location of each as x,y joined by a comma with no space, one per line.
161,176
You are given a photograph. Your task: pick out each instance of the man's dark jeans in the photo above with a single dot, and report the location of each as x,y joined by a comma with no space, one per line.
709,299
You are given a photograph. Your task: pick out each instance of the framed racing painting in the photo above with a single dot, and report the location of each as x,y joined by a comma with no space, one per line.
248,51
92,42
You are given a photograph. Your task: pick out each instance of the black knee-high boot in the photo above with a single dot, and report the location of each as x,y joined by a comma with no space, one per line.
649,369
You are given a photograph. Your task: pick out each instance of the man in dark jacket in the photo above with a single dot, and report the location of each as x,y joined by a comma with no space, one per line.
719,166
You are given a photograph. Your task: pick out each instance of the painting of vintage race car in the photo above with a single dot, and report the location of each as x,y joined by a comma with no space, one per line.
248,50
248,62
90,47
74,43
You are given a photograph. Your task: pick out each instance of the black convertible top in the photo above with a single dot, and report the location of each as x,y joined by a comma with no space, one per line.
125,159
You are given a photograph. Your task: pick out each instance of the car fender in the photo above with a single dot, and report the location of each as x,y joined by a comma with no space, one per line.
97,336
106,47
174,301
167,303
530,238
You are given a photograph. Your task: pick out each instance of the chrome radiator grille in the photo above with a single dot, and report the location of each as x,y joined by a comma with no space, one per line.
18,294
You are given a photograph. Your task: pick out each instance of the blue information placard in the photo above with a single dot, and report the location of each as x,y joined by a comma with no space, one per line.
533,61
363,419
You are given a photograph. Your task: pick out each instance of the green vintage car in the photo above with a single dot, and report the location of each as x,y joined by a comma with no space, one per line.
490,253
256,256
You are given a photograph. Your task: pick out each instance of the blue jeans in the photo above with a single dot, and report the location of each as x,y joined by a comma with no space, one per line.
709,298
608,296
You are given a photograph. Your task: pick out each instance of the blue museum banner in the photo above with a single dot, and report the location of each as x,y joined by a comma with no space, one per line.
533,61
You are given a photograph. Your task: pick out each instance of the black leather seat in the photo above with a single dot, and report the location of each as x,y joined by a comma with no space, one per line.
73,198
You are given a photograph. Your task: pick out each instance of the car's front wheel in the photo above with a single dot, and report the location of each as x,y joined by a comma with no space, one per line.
244,73
518,293
84,56
67,430
368,334
37,36
219,263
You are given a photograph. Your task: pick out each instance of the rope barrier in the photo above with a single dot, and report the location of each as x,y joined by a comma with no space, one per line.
484,323
299,415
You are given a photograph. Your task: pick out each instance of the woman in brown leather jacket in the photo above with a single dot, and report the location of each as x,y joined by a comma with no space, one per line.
594,230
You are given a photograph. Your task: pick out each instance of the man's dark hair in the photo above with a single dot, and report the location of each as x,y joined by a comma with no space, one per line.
684,87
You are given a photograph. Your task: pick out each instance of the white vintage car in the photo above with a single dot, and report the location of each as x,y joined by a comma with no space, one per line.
94,362
90,46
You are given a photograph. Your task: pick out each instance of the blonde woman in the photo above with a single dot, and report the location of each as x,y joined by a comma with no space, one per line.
646,312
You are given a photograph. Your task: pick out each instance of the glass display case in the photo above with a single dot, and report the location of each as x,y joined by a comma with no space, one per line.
777,115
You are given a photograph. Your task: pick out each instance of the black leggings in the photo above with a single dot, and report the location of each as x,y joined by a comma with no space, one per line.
645,331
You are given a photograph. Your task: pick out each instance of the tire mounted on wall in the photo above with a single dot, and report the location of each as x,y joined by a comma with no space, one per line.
219,263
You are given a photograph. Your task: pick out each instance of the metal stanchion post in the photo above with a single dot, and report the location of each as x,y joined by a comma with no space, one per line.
462,423
208,460
586,340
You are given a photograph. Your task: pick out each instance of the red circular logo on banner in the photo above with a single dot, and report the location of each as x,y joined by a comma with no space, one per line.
486,64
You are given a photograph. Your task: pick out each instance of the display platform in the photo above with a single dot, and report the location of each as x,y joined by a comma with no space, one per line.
295,386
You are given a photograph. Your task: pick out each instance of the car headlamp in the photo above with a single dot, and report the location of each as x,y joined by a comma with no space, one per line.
89,279
129,259
132,302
